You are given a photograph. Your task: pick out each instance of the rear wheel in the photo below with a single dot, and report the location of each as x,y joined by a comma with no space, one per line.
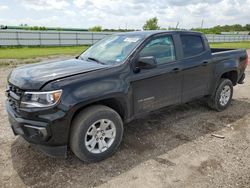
222,96
96,133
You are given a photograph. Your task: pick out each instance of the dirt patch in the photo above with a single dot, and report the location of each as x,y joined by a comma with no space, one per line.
208,165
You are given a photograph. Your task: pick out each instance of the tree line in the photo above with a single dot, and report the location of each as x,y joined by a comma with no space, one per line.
150,24
224,28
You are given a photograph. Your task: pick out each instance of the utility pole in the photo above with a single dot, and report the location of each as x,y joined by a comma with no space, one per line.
202,22
177,25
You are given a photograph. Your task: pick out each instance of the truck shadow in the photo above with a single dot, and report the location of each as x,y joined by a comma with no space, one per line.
144,139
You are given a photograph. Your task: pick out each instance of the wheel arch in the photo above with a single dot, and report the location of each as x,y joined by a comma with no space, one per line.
118,104
231,75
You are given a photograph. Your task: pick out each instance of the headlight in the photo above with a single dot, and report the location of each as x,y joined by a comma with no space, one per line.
40,99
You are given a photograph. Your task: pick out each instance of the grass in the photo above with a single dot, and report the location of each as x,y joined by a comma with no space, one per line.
245,44
33,52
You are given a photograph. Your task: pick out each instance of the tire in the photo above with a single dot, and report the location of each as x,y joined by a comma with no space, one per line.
90,126
216,101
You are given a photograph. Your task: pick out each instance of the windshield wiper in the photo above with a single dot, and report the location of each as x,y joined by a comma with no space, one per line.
96,60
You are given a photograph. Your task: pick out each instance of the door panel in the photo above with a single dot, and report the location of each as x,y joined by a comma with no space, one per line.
196,77
196,67
156,91
160,86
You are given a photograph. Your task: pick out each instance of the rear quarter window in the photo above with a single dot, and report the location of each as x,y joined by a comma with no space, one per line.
192,45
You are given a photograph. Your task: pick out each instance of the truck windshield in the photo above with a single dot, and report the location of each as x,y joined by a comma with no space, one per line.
112,50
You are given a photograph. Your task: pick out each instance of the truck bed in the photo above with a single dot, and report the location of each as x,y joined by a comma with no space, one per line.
217,50
227,53
220,55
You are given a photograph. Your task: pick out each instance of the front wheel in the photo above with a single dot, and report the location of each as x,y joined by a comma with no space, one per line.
96,133
222,96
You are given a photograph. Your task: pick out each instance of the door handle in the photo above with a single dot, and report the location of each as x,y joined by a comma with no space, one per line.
176,70
205,63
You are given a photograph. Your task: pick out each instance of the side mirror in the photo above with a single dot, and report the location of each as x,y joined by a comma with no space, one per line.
147,62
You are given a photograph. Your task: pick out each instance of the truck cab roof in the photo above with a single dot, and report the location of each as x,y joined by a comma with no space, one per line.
154,32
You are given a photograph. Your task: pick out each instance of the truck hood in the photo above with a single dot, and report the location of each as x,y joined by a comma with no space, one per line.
33,77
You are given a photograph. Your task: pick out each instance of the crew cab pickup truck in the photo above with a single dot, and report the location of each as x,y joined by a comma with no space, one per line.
81,104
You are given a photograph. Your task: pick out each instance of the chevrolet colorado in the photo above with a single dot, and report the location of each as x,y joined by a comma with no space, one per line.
81,104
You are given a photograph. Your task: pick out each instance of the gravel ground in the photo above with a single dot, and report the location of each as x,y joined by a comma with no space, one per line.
173,147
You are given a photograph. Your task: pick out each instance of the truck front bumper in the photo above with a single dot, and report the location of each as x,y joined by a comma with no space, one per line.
35,132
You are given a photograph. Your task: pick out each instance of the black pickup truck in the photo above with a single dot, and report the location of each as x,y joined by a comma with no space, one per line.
82,103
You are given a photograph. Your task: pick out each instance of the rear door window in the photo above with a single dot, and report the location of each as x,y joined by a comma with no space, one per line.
192,45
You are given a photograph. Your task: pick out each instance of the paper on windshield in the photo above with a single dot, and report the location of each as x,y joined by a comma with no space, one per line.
131,39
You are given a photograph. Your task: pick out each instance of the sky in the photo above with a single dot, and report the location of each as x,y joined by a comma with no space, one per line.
130,14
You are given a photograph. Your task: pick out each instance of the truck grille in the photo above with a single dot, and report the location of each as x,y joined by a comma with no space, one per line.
14,95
